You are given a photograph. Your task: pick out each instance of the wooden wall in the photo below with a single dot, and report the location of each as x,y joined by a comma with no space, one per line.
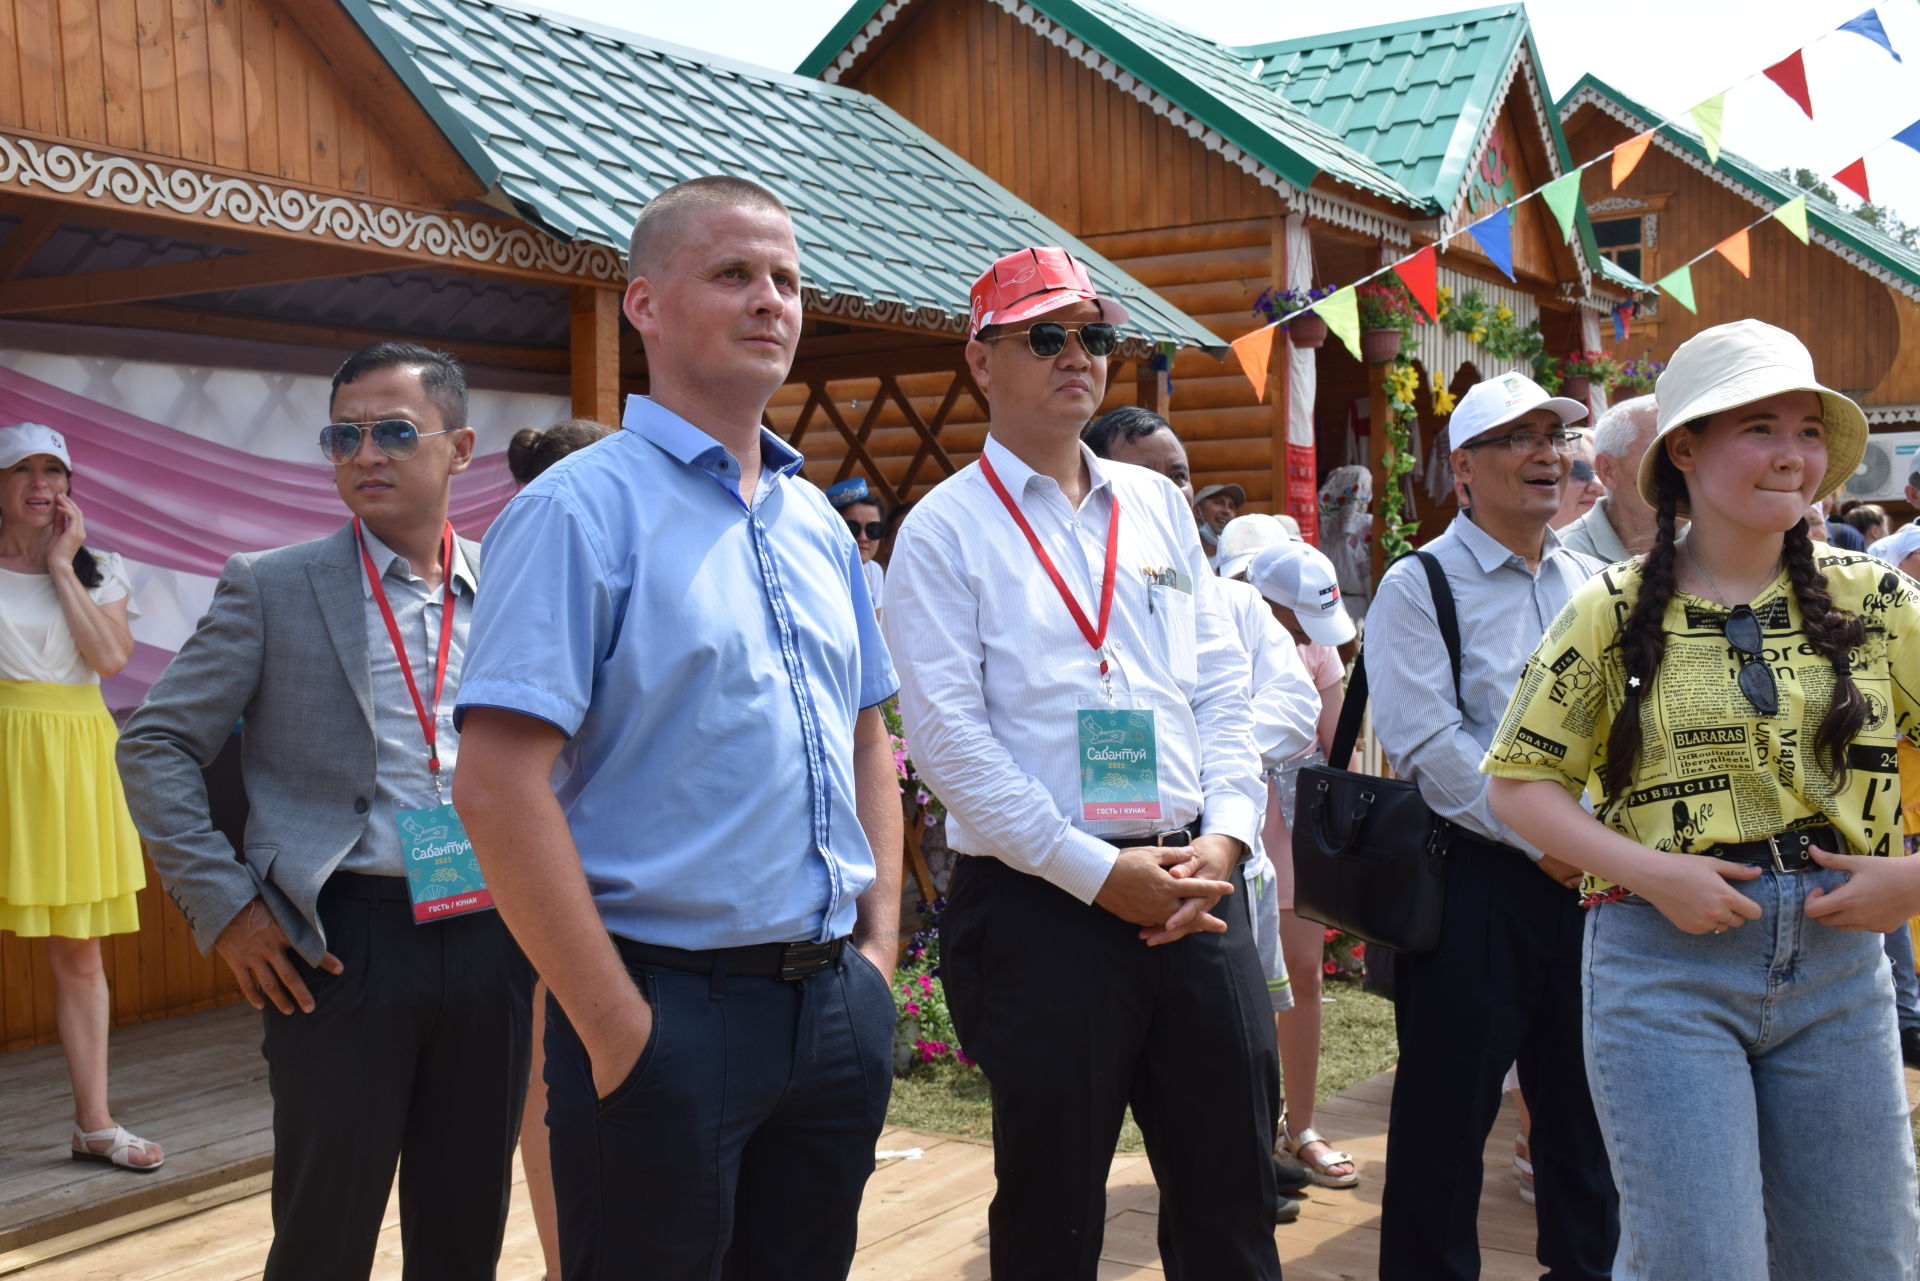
235,84
152,974
1850,321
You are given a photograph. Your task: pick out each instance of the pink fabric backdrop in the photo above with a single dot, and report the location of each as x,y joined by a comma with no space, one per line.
170,499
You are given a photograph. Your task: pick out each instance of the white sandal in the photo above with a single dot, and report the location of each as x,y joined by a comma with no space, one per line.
1318,1169
121,1145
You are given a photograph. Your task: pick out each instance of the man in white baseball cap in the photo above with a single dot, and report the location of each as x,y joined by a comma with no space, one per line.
1300,581
1245,536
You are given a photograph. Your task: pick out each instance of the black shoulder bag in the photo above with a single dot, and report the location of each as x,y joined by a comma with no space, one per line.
1369,856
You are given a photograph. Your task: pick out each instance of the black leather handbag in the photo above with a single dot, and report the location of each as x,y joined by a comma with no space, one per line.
1369,857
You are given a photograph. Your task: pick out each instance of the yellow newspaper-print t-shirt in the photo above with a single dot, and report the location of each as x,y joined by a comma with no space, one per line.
1712,770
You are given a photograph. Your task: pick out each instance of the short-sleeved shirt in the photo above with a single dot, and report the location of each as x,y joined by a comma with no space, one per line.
35,642
707,660
1711,769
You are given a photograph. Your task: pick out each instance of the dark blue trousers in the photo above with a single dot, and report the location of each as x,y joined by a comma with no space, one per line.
740,1143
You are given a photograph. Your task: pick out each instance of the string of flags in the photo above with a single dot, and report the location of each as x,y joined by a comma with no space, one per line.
1492,234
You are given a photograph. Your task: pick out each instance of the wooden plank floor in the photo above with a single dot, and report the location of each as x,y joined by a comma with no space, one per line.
923,1219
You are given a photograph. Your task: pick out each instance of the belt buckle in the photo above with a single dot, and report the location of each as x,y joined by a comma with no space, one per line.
1773,848
1160,838
803,960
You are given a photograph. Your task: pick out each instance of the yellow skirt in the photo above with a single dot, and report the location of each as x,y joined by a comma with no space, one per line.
69,856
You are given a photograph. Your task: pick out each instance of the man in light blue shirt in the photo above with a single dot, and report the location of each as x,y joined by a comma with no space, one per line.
682,793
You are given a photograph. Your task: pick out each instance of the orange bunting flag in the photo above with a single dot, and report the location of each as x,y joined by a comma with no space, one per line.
1790,73
1736,251
1421,273
1253,350
1855,178
1627,155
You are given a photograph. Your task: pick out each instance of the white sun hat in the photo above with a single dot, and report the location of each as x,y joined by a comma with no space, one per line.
1736,364
1246,535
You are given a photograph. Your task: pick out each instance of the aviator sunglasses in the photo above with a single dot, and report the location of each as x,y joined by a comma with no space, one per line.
397,438
873,529
1756,678
1048,338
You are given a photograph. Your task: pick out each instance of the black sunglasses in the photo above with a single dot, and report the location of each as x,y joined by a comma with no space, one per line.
1048,338
397,438
1756,678
875,530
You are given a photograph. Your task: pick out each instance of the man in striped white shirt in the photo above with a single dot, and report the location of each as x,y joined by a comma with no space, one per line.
1073,692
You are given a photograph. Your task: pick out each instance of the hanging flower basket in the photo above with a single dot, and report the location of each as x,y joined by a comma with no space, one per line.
1378,346
1308,329
1577,387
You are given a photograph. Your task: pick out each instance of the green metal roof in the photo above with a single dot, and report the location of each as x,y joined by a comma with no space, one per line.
1834,222
576,126
1413,96
1200,77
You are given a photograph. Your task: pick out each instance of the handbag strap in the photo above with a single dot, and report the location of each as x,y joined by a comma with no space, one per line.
1347,733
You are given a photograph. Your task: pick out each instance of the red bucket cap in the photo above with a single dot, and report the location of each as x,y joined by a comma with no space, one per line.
1032,282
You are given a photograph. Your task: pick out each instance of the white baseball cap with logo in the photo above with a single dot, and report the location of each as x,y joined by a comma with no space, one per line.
1245,535
1300,577
1498,401
24,440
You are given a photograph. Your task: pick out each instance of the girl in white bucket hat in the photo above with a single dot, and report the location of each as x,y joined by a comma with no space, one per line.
1732,703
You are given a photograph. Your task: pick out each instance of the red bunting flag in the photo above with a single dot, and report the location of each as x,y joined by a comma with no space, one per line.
1790,73
1421,273
1627,155
1855,178
1735,250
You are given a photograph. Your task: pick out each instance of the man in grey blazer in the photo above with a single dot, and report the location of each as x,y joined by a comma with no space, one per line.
393,1035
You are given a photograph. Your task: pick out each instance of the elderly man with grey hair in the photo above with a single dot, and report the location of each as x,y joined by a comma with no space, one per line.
1620,525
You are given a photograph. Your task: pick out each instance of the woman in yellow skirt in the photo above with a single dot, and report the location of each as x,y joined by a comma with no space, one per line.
69,857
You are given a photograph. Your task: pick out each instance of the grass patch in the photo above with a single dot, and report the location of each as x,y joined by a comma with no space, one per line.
1356,1043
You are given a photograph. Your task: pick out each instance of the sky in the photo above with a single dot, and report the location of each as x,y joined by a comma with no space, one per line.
1666,54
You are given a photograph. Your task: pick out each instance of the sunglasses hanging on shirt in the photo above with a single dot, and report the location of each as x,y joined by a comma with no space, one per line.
1756,678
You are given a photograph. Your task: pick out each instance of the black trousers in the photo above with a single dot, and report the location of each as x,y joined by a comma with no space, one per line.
415,1055
1073,1019
739,1144
1504,986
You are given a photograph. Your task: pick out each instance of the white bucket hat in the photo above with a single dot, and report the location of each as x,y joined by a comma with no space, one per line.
24,440
1736,364
1246,535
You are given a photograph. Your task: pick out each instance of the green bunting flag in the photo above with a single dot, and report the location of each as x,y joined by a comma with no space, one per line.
1793,216
1679,284
1563,197
1341,311
1707,118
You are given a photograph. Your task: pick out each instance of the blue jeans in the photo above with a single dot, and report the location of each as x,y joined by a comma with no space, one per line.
1750,1090
1906,985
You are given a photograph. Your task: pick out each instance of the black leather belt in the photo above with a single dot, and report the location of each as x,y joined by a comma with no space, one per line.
1787,852
784,961
1173,836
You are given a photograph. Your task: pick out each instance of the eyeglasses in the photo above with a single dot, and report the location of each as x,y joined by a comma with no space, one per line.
1525,442
397,438
1048,338
874,530
1756,678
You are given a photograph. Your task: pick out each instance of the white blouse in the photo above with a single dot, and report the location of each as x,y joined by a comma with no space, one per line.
35,642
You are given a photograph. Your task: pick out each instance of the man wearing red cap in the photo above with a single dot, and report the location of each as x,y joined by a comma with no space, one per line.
1075,695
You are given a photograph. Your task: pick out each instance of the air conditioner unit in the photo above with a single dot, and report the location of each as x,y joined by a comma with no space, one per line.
1891,457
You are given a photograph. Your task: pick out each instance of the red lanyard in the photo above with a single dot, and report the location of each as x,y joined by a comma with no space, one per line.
429,724
1095,638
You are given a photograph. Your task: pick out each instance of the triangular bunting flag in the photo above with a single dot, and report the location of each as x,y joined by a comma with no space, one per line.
1494,235
1621,315
1793,216
1341,311
1790,73
1253,350
1868,25
1627,155
1679,284
1707,118
1736,250
1422,276
1910,135
1563,197
1855,178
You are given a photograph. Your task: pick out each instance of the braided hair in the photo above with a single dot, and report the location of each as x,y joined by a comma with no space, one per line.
1832,633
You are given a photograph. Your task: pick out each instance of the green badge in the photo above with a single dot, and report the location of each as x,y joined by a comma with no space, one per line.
443,876
1119,764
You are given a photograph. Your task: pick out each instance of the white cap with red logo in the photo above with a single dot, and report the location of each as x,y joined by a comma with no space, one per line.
1300,577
